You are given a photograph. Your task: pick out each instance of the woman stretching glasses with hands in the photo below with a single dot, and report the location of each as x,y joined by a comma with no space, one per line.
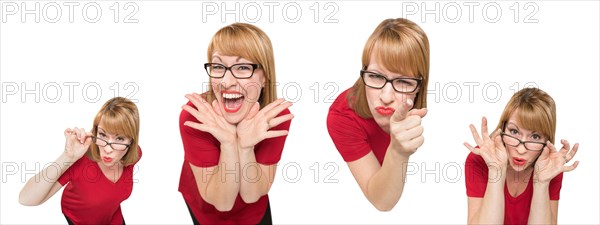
514,175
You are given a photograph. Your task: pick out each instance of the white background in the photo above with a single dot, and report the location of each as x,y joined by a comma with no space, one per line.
162,55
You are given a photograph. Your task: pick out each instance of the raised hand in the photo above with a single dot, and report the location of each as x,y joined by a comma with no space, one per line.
255,126
77,142
552,162
210,118
406,131
491,147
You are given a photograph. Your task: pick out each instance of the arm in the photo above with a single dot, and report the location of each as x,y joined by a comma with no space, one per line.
382,185
257,178
490,208
44,185
550,164
218,185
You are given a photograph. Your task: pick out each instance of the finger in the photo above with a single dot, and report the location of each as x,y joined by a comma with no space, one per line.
277,109
198,126
566,146
278,120
498,140
484,128
475,135
275,133
401,112
253,111
550,146
199,116
68,132
571,167
573,151
216,108
273,104
471,148
419,112
199,102
88,142
545,153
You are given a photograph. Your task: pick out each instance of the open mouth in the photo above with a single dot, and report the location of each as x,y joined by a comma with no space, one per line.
232,101
519,161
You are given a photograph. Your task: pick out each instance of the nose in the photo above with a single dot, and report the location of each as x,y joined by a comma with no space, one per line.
521,149
108,149
387,94
228,79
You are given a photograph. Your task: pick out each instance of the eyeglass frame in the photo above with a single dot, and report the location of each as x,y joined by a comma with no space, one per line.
502,134
254,67
419,81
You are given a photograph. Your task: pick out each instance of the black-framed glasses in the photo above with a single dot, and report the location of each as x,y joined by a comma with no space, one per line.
116,146
240,70
514,141
401,84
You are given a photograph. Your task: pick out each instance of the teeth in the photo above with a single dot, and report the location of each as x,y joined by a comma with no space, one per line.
232,96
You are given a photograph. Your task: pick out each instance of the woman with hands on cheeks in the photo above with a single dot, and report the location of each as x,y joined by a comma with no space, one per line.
233,135
376,124
514,175
96,167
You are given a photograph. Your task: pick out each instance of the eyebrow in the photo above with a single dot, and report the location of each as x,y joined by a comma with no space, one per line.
219,58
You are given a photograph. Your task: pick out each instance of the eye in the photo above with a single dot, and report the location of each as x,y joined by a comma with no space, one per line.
375,76
217,67
120,139
513,131
101,134
536,137
244,67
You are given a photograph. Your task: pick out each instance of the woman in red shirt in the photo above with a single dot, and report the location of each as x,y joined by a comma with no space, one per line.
233,135
98,182
514,175
376,124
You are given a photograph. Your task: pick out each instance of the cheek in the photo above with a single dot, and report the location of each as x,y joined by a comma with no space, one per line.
253,89
372,96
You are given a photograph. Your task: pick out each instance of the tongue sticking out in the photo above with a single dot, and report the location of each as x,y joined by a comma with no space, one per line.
233,105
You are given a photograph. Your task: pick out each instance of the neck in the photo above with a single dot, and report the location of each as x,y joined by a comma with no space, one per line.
518,176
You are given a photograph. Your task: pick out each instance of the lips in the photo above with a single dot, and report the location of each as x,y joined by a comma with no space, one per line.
384,111
232,101
519,161
107,159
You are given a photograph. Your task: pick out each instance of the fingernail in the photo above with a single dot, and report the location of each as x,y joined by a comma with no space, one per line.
409,102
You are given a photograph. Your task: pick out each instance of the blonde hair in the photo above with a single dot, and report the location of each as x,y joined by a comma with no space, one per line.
118,116
401,46
535,109
251,43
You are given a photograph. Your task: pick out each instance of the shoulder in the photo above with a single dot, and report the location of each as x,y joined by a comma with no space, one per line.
340,105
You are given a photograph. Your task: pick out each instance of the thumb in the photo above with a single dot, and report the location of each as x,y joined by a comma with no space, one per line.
253,111
419,112
402,111
216,109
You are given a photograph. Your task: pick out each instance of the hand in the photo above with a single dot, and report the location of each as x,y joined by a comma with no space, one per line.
552,162
77,143
490,148
406,131
211,119
255,126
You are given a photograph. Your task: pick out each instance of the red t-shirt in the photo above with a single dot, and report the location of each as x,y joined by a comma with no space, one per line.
354,136
90,197
202,150
516,209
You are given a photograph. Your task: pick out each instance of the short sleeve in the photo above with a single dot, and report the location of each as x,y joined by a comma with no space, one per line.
268,151
347,135
69,174
555,186
476,176
201,149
